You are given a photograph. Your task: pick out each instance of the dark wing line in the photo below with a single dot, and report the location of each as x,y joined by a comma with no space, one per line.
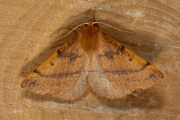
128,71
57,75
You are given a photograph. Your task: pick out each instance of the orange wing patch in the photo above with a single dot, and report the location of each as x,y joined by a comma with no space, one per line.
92,58
63,75
116,71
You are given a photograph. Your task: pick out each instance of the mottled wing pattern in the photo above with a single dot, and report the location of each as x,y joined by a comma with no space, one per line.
63,75
116,71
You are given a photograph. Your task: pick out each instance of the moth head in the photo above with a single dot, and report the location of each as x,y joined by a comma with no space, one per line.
92,23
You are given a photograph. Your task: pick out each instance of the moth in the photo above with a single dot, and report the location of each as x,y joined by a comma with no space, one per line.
92,60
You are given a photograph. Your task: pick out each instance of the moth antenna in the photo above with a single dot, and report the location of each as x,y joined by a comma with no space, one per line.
114,27
69,32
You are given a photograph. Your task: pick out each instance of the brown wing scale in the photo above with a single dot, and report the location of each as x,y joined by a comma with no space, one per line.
63,75
116,71
93,58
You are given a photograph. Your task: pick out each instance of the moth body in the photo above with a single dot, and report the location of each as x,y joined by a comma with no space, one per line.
92,59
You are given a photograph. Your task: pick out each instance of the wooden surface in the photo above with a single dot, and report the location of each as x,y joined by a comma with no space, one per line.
28,27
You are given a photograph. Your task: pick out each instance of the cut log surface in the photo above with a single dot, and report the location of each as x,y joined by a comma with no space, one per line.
28,27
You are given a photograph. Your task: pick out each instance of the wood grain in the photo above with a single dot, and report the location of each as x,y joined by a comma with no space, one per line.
27,27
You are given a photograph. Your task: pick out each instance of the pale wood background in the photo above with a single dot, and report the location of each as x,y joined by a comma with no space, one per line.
27,27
